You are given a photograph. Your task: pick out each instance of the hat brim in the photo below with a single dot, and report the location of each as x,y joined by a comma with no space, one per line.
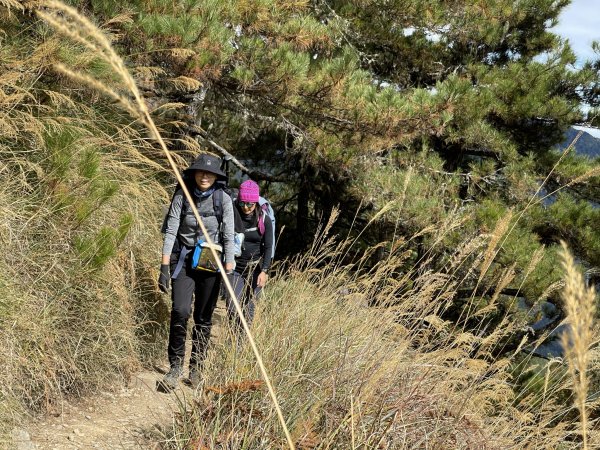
208,169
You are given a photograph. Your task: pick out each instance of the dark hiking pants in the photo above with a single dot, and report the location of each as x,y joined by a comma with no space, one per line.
203,288
246,292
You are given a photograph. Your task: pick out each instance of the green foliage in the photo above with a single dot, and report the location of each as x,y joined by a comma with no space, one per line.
291,65
243,75
539,381
61,150
411,197
89,163
571,220
412,116
96,250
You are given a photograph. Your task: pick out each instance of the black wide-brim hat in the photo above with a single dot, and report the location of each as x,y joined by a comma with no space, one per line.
207,163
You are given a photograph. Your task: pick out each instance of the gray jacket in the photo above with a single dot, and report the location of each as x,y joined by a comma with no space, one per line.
188,231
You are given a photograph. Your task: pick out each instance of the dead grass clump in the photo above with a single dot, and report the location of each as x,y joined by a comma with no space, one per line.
360,363
78,298
80,208
347,373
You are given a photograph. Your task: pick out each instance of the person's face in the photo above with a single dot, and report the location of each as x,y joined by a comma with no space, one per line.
204,180
247,207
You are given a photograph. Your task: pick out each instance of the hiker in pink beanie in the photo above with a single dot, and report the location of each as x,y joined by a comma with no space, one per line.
254,250
249,192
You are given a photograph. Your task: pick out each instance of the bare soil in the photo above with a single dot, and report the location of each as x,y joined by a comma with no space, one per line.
133,418
136,416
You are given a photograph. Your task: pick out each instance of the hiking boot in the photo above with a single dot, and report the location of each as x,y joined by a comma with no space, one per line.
170,380
194,376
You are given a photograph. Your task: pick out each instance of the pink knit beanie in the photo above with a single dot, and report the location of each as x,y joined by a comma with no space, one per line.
249,191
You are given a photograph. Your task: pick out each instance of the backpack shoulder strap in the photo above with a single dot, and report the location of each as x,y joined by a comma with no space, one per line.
184,206
218,204
238,225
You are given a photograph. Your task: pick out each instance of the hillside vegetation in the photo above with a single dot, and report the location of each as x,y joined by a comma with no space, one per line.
362,361
79,219
421,132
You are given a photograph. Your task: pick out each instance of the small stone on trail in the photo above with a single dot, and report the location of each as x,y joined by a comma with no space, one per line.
22,440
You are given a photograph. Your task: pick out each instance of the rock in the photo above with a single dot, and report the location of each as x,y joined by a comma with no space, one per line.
22,440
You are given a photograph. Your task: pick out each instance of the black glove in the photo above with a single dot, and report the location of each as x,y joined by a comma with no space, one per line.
164,278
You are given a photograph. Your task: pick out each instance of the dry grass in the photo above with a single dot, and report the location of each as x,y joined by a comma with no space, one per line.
492,250
580,308
354,375
362,358
79,204
70,325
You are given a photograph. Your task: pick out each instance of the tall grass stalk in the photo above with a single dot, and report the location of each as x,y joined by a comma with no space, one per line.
580,308
68,21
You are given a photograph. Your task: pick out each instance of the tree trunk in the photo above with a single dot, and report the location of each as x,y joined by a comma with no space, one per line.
302,225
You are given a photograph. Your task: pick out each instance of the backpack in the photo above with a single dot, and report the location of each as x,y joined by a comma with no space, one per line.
217,205
268,211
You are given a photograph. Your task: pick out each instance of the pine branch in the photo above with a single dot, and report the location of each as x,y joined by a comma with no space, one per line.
203,136
487,153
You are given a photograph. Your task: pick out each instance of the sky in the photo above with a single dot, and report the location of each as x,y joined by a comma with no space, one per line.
580,23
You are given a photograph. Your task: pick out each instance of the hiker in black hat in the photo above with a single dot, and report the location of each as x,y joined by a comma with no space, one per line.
192,275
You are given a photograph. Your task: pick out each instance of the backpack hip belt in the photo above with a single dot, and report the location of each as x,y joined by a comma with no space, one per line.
181,260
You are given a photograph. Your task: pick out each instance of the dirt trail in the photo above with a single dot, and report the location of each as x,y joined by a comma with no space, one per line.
134,417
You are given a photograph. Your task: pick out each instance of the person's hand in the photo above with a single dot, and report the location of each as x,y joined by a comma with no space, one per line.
261,281
228,267
164,278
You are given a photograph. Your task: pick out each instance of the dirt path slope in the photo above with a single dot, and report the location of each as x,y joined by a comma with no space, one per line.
133,418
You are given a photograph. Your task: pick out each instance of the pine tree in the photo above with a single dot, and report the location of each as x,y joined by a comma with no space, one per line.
435,112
